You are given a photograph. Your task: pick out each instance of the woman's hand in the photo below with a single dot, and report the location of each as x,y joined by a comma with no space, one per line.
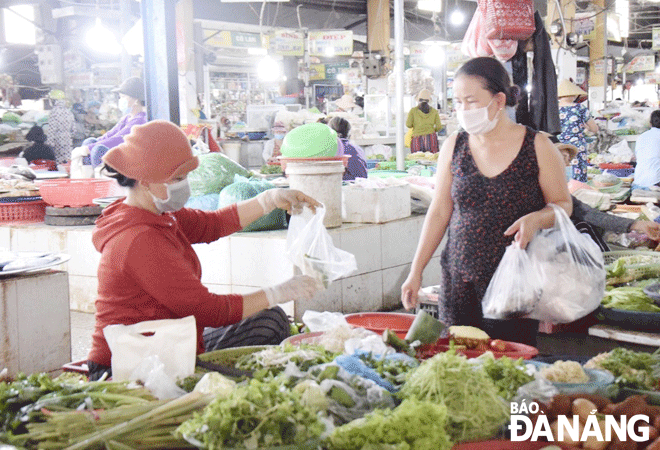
525,228
410,291
651,229
290,200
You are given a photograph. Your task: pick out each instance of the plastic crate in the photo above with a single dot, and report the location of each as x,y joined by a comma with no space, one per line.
621,173
75,192
23,212
633,271
428,306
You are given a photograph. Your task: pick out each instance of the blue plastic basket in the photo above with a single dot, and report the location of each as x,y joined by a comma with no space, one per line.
621,173
371,163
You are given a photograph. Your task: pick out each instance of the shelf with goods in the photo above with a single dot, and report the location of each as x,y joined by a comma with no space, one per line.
232,92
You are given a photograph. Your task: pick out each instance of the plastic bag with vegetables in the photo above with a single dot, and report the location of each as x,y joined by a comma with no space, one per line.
309,246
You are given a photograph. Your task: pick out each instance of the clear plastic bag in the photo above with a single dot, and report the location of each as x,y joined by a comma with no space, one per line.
515,289
573,271
309,246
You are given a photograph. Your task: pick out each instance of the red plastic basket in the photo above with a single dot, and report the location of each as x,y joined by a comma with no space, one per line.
399,323
75,192
23,212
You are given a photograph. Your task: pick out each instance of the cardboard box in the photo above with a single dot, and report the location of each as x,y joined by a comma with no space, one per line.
375,204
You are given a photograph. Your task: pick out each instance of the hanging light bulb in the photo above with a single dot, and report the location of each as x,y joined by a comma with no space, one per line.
456,18
434,56
269,70
101,39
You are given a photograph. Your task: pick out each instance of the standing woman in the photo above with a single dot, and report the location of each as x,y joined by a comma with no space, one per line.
493,185
148,268
425,123
357,163
61,124
574,118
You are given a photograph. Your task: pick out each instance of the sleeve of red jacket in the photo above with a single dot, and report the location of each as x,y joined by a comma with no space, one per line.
208,226
158,266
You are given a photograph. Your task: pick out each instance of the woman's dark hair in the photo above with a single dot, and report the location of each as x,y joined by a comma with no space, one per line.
655,118
341,126
424,106
36,134
123,180
493,76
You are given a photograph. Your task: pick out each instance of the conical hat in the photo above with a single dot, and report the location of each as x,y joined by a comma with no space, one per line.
568,89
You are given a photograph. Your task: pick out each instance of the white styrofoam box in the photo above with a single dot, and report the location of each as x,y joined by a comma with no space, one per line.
83,291
364,243
399,241
362,293
35,323
5,238
375,205
49,59
39,239
216,261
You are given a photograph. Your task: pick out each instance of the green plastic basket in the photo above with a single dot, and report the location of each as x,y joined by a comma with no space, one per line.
633,271
228,356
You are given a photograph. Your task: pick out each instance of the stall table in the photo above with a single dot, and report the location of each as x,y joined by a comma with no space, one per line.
245,262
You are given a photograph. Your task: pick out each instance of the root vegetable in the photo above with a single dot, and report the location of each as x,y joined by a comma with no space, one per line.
592,443
582,408
631,406
655,445
554,427
561,405
656,422
599,400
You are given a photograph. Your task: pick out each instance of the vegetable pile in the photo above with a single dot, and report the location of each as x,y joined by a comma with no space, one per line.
634,370
630,298
475,409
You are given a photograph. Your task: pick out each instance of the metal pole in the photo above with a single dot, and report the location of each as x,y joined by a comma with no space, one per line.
398,71
606,60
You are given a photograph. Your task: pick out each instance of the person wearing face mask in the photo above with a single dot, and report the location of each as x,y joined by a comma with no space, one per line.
148,269
424,120
494,181
589,220
574,119
272,147
131,104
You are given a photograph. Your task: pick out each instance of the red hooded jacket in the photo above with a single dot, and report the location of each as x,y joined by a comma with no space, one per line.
149,270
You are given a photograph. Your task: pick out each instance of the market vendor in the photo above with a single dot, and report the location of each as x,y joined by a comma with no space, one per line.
357,163
647,154
131,104
424,121
148,269
38,150
272,147
587,218
494,182
574,118
346,103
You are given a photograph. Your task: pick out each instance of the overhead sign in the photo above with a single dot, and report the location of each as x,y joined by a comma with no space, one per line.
641,63
288,43
317,72
332,70
585,24
330,43
239,39
656,38
215,38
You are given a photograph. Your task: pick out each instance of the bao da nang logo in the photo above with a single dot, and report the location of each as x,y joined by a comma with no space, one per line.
602,428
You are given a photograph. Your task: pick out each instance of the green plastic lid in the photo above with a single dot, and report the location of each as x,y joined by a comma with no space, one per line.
311,140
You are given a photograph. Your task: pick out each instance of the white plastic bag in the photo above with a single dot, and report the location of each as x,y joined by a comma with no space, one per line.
515,289
310,248
174,341
573,271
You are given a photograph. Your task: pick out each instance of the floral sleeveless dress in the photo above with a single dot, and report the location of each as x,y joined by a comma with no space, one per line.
483,209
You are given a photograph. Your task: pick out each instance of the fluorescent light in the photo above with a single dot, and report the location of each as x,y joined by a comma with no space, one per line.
434,56
18,30
456,18
101,39
269,70
430,5
622,8
329,52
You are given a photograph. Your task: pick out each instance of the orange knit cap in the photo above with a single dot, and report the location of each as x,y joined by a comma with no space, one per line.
155,152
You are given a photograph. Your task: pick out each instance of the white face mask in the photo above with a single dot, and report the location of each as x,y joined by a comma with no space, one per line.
475,121
177,195
122,104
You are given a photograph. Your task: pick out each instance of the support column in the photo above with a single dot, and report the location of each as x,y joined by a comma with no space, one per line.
597,53
185,31
398,71
378,27
160,64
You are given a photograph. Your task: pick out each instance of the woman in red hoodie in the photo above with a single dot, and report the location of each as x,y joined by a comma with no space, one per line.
148,268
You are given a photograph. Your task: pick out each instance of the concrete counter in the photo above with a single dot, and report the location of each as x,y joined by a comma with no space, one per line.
245,262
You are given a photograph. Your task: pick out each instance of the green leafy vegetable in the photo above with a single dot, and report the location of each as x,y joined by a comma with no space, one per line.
635,370
507,374
475,409
414,424
272,360
255,415
629,298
